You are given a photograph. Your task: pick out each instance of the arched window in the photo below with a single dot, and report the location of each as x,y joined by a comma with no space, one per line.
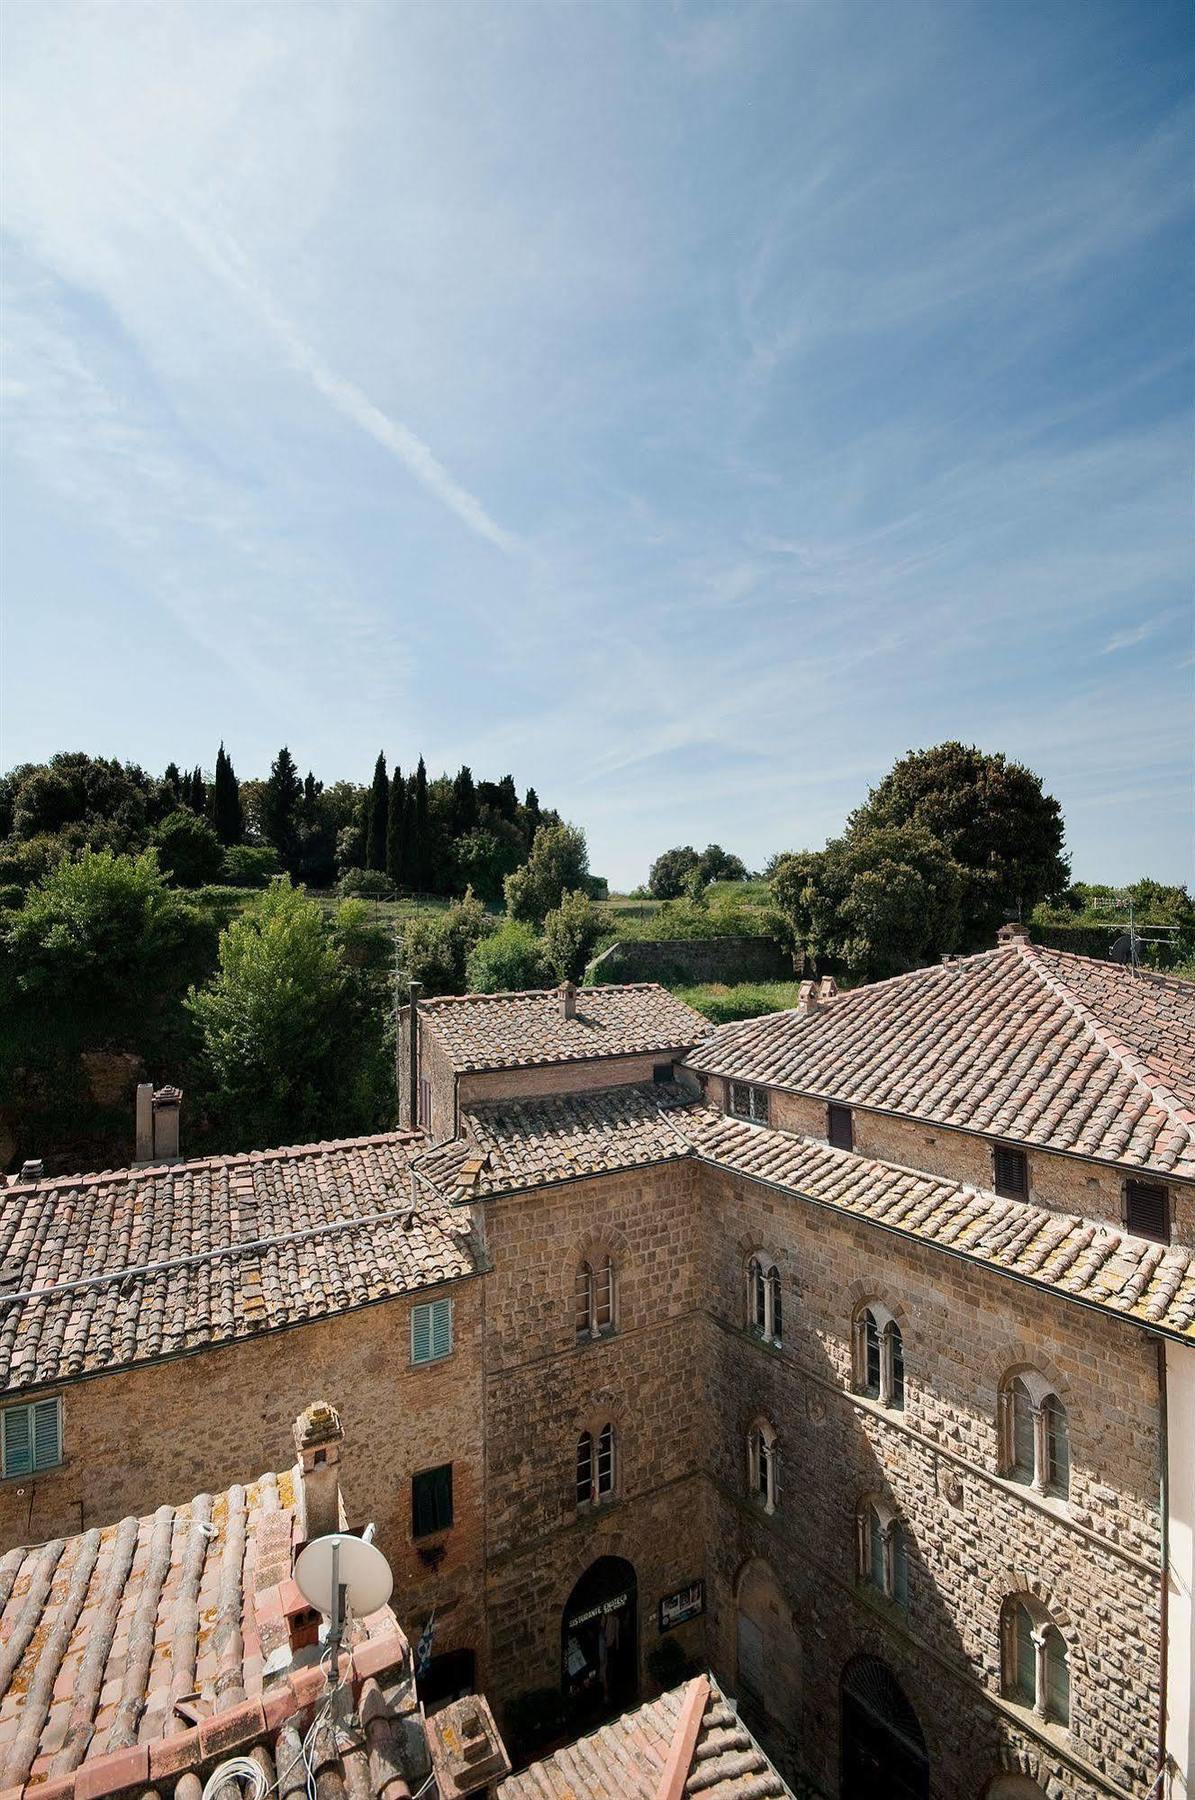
595,1298
595,1465
764,1304
1034,1437
883,1557
1036,1662
879,1355
763,1464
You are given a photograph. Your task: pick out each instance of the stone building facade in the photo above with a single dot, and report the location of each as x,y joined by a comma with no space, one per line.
904,1460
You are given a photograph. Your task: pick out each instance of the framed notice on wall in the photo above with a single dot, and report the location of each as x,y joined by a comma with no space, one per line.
686,1603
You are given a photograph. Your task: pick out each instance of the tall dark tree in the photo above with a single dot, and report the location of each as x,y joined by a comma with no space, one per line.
376,816
419,852
395,866
172,778
280,807
532,810
464,802
198,799
226,801
508,797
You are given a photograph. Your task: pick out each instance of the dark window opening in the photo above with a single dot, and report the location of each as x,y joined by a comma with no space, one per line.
840,1127
1011,1172
425,1102
449,1676
431,1501
1147,1210
661,1072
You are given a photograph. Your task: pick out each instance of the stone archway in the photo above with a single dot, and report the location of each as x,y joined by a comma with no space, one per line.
599,1647
883,1747
768,1651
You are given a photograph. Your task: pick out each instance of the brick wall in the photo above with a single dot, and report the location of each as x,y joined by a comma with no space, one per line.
560,1078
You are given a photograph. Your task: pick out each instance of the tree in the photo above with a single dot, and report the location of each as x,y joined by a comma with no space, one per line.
435,949
558,863
671,871
508,797
188,849
87,800
464,803
876,903
281,1055
511,958
280,807
419,847
531,814
196,794
395,807
226,801
570,932
991,817
719,865
377,811
482,859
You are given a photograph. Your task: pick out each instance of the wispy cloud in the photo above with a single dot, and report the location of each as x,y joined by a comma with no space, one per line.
1124,640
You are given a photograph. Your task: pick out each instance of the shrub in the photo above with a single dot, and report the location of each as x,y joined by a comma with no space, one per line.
570,933
558,864
434,951
365,884
510,958
188,849
250,865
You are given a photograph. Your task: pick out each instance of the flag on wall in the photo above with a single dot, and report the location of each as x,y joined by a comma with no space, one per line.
423,1655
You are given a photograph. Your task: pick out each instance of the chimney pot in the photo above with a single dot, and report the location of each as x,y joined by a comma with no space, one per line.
827,988
1014,929
807,997
568,1000
166,1105
33,1170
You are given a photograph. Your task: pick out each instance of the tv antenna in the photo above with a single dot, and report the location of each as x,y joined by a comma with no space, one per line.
1126,945
343,1577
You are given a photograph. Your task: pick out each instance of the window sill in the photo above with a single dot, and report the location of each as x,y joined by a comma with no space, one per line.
431,1362
585,1339
35,1474
1057,1504
1049,1728
597,1504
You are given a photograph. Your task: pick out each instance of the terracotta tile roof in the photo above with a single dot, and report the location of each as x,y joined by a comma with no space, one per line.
628,1758
101,1271
521,1030
159,1646
536,1143
1033,1045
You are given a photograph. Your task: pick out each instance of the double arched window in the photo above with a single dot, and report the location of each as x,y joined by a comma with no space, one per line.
1035,1658
763,1464
764,1304
1034,1434
879,1355
595,1297
883,1557
595,1465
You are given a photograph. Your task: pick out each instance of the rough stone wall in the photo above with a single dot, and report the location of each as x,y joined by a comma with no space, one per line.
973,1538
434,1067
167,1431
560,1078
692,960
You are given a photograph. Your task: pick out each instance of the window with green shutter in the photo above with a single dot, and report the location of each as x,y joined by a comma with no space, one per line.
431,1331
30,1437
431,1500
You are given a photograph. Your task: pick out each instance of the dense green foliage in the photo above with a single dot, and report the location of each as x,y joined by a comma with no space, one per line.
188,849
875,903
510,958
571,930
558,864
434,949
744,1000
685,870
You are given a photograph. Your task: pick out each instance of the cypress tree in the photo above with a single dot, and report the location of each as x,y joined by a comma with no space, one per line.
198,791
531,808
280,807
226,801
464,802
508,797
376,817
395,866
420,857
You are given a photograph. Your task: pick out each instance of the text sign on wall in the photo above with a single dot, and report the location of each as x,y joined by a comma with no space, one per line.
687,1603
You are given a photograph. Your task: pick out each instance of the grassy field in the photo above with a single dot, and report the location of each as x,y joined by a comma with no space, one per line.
747,1000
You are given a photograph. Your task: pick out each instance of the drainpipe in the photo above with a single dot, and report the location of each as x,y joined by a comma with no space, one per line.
414,991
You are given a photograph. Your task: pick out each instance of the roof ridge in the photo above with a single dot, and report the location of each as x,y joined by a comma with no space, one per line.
220,1160
1127,1059
542,993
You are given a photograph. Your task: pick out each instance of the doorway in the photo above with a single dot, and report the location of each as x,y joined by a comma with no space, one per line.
599,1650
883,1748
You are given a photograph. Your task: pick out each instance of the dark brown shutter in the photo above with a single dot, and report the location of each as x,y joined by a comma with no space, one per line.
1147,1210
840,1127
1011,1172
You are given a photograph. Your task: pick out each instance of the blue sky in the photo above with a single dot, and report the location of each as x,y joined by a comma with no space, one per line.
687,408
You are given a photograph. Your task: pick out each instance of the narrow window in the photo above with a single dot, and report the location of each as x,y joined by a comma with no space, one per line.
1037,1668
757,1297
425,1102
431,1331
898,1557
875,1549
1010,1172
431,1501
1023,1460
604,1482
840,1127
762,1465
603,1295
1147,1210
1057,1677
1057,1472
871,1351
894,1355
584,1468
776,1322
584,1300
748,1102
31,1438
1025,1663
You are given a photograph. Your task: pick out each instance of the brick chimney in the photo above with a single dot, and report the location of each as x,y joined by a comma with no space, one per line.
568,999
807,997
827,989
319,1436
1008,934
167,1103
145,1122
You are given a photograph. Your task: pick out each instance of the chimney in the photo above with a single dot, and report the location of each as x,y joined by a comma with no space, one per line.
1008,934
568,999
827,989
33,1170
145,1122
415,990
807,997
319,1436
166,1105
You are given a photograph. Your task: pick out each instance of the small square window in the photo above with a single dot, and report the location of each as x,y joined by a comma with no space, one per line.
840,1127
431,1331
747,1102
1010,1172
31,1437
661,1072
431,1501
1147,1210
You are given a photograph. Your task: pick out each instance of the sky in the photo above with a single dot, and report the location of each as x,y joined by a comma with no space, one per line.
686,408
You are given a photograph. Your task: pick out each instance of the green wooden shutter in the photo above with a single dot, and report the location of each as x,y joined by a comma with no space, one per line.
18,1441
421,1334
47,1450
441,1312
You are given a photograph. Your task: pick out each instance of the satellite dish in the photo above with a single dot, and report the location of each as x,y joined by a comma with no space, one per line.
359,1569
